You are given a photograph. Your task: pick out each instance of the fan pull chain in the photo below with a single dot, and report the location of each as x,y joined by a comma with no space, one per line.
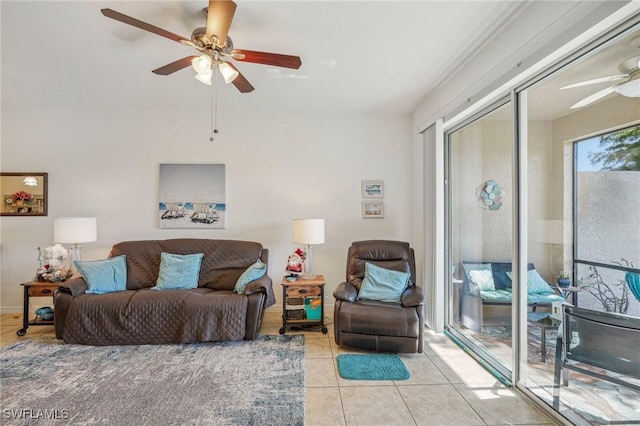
214,106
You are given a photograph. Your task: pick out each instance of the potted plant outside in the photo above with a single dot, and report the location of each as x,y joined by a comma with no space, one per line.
563,279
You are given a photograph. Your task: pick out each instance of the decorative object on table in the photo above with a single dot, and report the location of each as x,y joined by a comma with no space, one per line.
24,194
295,263
75,230
259,382
45,313
372,189
373,209
192,196
490,195
308,232
371,367
563,279
52,264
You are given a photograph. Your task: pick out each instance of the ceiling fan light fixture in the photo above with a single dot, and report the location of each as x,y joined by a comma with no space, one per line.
204,78
202,64
227,72
631,88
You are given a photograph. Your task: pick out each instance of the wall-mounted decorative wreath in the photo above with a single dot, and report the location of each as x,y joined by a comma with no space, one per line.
490,195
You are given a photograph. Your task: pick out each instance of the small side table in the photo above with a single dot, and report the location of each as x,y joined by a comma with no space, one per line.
570,291
300,303
35,289
544,323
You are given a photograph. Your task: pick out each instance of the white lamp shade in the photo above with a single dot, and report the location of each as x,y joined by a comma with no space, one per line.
202,64
75,230
204,78
227,72
308,231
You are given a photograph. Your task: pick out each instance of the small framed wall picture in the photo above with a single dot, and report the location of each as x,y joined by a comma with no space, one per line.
372,189
372,209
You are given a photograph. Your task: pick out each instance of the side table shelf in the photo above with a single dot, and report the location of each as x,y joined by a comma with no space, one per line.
303,303
35,289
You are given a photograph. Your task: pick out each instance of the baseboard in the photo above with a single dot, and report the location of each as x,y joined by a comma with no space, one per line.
11,309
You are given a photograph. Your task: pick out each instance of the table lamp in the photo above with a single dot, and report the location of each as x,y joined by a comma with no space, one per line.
308,232
75,230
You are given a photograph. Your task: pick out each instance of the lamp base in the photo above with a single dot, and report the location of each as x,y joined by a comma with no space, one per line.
75,253
307,267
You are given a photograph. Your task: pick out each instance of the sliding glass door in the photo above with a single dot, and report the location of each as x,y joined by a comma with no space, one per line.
577,209
480,185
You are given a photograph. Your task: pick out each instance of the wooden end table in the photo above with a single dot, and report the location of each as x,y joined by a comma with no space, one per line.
301,298
35,289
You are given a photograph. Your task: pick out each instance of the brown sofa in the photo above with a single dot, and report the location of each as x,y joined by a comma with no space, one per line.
138,315
376,325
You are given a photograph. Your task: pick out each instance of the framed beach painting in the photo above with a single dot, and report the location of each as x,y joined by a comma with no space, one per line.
373,209
372,189
192,196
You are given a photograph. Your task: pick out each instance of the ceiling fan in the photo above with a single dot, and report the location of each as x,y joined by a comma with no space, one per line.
629,85
214,45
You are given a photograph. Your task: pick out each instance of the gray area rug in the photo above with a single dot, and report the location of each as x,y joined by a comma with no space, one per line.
260,382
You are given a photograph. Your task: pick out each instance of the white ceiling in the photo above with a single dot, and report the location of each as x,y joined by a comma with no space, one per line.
358,56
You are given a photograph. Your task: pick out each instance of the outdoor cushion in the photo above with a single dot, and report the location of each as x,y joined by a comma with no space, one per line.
505,296
483,279
499,296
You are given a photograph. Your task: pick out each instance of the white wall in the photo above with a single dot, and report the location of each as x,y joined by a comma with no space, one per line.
279,166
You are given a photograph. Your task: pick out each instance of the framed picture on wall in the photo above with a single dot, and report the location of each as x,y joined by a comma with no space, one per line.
23,194
373,209
372,189
192,196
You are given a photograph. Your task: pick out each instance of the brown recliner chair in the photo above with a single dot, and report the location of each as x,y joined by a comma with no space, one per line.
373,325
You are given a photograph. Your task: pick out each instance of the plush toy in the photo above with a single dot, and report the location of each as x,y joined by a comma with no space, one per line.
295,262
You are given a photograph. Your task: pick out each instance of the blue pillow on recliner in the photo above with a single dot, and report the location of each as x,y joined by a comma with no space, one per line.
384,285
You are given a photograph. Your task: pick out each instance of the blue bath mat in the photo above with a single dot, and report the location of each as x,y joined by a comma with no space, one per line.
372,367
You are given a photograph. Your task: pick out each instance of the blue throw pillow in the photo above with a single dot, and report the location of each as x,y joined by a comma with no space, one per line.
253,272
384,285
178,271
104,276
535,283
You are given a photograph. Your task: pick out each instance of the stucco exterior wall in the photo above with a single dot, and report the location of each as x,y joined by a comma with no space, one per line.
609,227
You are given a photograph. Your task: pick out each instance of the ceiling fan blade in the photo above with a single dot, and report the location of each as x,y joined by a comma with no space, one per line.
275,59
241,83
594,97
596,81
174,66
219,17
109,13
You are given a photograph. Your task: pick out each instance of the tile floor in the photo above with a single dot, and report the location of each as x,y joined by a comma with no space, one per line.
447,387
